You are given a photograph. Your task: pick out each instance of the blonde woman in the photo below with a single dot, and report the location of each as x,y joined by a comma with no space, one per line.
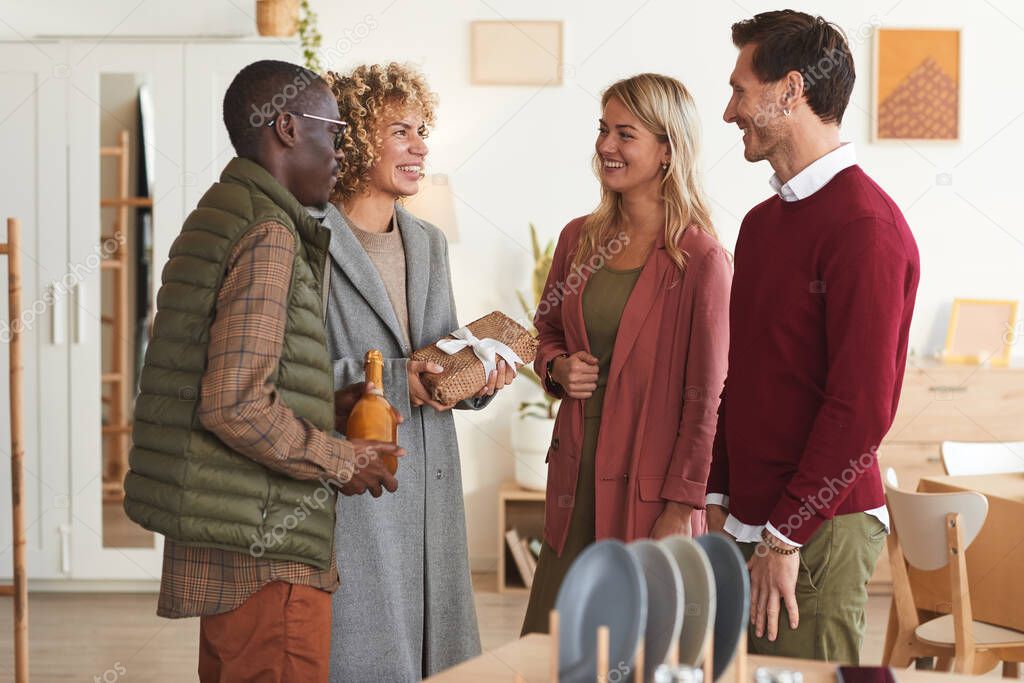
405,607
634,335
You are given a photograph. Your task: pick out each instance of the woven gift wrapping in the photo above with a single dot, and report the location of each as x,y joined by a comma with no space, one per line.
463,374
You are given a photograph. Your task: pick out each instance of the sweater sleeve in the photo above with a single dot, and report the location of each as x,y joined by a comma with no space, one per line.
868,277
706,361
718,476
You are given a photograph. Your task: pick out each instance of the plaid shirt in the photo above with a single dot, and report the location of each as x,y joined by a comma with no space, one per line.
239,405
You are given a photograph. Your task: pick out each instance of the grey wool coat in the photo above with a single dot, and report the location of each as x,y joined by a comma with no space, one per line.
405,606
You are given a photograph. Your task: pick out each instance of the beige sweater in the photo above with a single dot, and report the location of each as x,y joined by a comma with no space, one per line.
387,253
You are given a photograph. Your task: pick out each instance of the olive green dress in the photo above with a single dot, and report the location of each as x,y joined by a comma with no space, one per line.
604,299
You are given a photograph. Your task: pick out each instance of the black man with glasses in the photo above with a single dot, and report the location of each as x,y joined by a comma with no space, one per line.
234,458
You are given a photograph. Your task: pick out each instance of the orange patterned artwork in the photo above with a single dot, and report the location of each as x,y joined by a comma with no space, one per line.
917,84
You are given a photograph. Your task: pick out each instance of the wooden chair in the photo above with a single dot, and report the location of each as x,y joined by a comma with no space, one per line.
932,531
982,457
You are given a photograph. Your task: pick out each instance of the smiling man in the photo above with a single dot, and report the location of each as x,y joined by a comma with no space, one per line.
233,457
826,272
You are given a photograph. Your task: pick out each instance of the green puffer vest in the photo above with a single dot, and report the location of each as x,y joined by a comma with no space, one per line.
184,482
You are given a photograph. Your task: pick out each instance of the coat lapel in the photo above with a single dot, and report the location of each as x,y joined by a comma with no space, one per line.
349,255
417,269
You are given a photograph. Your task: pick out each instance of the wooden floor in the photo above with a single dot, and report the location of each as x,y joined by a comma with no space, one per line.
110,637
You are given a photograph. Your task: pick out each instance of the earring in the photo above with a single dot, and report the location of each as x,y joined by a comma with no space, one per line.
664,166
786,112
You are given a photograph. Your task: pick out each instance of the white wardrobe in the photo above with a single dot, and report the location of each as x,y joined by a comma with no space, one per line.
51,119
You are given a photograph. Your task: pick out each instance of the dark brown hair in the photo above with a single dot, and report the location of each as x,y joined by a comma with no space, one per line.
786,40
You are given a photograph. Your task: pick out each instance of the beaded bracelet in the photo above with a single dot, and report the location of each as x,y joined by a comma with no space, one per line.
769,541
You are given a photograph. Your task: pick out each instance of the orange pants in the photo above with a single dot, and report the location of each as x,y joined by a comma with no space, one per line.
281,634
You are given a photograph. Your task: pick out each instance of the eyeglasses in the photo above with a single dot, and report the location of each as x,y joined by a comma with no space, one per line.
339,135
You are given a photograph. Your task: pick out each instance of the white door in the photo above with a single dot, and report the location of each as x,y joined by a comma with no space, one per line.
209,68
33,181
159,66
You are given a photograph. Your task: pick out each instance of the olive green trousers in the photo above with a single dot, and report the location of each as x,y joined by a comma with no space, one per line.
831,592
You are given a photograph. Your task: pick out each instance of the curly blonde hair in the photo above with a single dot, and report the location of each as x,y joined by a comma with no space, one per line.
364,95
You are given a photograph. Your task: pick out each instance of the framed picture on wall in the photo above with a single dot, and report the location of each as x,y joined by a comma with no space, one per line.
981,331
516,53
916,84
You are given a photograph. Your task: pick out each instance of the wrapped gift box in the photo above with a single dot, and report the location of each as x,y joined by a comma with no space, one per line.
464,373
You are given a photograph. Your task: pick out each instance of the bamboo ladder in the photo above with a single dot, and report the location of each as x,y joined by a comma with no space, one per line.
117,430
20,588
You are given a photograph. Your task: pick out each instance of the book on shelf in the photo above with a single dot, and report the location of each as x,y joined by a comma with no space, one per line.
531,561
521,554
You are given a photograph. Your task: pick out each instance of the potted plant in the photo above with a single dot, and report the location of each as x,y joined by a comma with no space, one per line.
277,17
309,37
533,422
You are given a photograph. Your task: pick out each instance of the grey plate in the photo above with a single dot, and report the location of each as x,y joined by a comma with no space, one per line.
604,587
665,602
699,590
732,596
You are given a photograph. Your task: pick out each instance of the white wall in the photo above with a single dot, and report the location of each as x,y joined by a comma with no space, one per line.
519,154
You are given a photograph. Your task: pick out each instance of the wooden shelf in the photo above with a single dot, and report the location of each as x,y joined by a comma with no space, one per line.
523,509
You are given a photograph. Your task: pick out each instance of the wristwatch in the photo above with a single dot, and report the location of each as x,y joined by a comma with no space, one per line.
547,374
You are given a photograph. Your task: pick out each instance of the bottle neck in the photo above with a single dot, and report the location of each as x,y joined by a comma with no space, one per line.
375,374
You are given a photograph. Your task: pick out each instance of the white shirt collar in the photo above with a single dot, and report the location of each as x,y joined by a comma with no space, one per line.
816,176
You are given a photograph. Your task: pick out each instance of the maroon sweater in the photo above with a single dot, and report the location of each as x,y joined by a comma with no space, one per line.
822,298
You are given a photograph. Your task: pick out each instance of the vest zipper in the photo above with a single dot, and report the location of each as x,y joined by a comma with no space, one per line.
325,288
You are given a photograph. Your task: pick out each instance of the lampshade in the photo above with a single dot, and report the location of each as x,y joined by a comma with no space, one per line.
434,203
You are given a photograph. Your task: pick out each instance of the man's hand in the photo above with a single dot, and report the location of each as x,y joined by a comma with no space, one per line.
772,581
502,375
716,516
577,374
370,473
674,520
418,394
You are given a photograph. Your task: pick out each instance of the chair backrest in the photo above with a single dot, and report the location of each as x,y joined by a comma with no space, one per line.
920,520
982,457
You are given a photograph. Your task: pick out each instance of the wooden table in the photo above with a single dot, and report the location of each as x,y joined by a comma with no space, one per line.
995,560
528,658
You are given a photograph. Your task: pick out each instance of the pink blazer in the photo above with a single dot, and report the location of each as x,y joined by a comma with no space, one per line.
664,385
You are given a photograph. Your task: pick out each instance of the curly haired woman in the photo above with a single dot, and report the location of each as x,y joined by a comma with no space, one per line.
405,607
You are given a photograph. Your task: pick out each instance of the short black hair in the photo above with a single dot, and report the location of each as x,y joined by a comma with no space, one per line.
261,91
787,40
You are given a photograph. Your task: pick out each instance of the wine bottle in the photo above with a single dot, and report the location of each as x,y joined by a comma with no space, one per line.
372,417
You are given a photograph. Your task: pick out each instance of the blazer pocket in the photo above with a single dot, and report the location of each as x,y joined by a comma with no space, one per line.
650,489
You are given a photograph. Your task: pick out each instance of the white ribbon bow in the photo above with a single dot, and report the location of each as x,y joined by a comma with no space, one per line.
486,349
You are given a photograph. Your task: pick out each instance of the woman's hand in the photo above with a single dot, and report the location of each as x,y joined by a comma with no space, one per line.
576,373
674,520
502,375
418,394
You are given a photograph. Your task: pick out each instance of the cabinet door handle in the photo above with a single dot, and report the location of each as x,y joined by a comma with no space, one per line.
948,388
65,548
56,317
79,312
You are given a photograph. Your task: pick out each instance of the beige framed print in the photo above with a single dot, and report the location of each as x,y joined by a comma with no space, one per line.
916,84
516,52
980,332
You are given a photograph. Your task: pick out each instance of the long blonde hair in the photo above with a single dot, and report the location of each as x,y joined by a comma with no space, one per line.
667,110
